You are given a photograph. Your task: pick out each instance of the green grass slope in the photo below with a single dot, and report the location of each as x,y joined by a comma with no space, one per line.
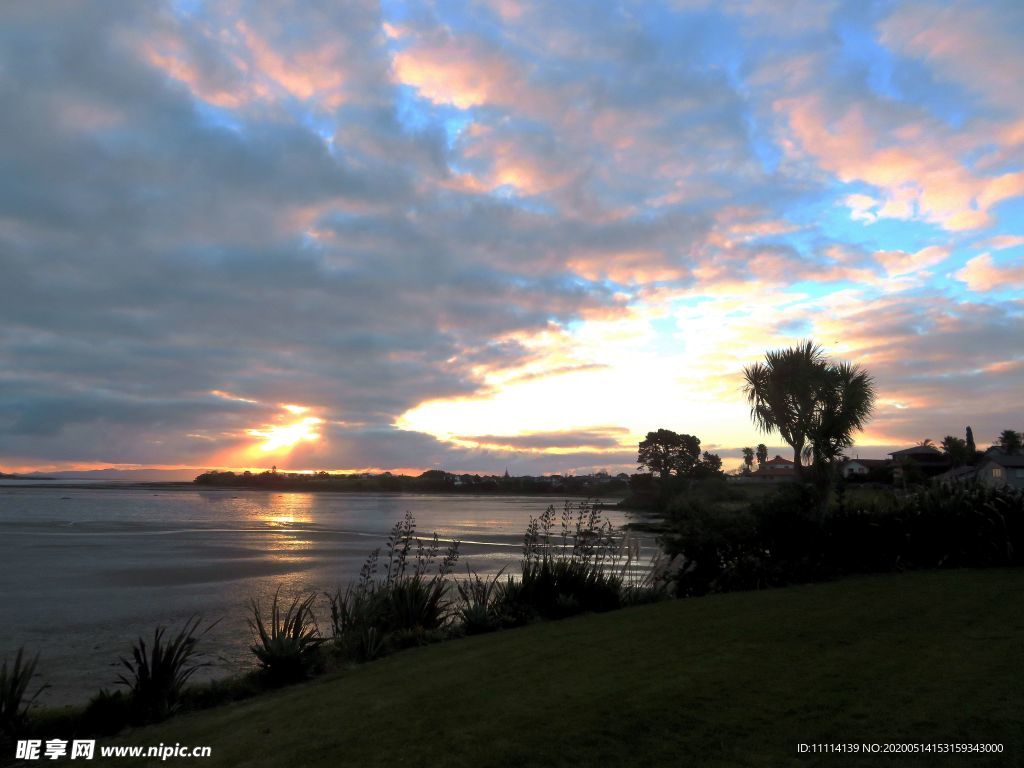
727,680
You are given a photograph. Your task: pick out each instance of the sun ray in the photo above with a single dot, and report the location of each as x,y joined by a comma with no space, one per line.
279,437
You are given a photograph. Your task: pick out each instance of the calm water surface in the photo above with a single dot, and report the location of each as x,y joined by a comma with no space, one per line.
85,571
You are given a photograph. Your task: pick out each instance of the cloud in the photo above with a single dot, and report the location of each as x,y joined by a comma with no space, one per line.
462,72
918,165
610,437
481,234
902,263
982,274
971,43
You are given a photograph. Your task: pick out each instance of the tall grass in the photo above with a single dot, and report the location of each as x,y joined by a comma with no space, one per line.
285,642
14,700
157,674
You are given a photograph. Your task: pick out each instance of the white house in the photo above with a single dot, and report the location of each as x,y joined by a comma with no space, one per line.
860,468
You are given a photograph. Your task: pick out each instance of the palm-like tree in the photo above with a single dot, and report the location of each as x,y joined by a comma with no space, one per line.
780,392
815,405
844,404
748,459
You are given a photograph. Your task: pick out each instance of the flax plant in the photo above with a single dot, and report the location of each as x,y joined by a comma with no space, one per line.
399,598
285,642
157,674
14,702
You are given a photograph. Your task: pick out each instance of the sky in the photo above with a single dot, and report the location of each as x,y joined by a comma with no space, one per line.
490,233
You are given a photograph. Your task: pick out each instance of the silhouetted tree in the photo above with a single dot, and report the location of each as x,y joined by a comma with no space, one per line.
811,402
710,464
972,449
926,443
748,460
666,453
1009,441
762,453
659,451
955,449
845,400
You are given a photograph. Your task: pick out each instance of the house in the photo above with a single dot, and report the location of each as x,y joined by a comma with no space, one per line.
860,469
917,462
956,475
776,469
997,469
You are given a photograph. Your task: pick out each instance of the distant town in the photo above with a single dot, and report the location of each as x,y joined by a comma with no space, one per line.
954,460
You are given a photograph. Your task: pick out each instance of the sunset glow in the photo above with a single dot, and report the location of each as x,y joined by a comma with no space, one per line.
286,436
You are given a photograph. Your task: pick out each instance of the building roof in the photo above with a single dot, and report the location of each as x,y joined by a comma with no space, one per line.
869,463
779,461
918,450
1015,460
956,473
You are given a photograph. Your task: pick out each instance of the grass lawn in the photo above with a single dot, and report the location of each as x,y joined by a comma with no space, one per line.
726,680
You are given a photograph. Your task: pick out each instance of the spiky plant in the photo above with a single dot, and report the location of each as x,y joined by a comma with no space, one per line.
14,702
157,673
477,596
285,642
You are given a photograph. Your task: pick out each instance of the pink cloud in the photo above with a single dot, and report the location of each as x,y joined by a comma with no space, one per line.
317,71
1002,242
974,44
902,263
235,63
462,71
982,274
911,159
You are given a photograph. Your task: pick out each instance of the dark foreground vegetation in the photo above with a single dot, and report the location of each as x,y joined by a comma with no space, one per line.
727,680
790,536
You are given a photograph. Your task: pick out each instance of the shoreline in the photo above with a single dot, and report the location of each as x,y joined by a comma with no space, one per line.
292,488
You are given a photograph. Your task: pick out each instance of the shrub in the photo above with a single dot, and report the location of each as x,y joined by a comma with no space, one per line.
355,617
476,609
14,702
157,675
404,605
512,606
718,549
285,643
783,539
967,525
106,714
581,567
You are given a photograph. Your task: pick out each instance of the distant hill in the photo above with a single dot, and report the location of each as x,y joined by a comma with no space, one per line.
101,475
